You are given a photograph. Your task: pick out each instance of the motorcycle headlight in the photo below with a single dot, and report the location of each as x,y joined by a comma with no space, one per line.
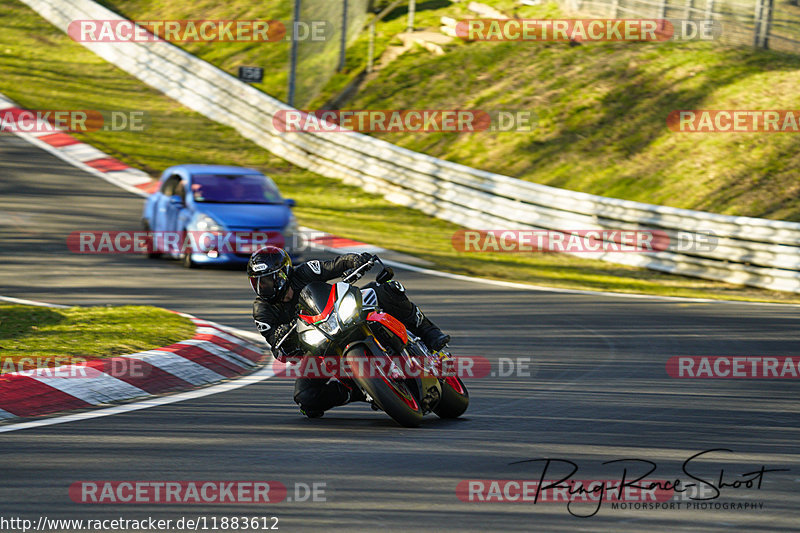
313,337
348,308
330,326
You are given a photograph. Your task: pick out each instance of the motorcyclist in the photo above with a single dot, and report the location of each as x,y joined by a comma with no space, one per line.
277,285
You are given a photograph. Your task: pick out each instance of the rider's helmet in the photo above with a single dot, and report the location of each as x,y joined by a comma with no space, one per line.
268,270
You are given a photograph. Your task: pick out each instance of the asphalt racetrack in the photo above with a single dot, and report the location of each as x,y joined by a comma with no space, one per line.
596,390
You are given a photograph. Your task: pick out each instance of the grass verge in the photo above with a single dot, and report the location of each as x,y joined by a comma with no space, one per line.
39,65
47,334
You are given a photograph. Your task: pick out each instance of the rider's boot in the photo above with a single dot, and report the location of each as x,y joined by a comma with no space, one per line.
433,337
310,413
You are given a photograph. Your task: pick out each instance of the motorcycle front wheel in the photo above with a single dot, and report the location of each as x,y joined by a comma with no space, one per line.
391,395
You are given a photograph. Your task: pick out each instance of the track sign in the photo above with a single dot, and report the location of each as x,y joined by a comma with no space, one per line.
251,74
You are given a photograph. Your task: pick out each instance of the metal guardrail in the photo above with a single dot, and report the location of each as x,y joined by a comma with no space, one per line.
750,251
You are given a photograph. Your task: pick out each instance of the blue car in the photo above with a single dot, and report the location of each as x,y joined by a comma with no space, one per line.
210,214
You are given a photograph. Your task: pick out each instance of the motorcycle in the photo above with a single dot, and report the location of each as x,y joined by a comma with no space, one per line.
375,352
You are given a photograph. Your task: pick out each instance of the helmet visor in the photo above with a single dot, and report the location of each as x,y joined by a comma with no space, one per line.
270,286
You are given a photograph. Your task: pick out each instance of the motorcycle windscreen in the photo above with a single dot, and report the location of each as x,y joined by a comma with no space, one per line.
316,301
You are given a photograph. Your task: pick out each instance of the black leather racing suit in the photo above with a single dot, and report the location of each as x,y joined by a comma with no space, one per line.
316,394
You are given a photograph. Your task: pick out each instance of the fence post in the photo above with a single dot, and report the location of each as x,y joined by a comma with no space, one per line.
412,8
709,9
343,41
371,50
293,53
766,22
689,9
757,24
615,9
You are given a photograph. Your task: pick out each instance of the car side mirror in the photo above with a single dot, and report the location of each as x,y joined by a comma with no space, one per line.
385,275
290,202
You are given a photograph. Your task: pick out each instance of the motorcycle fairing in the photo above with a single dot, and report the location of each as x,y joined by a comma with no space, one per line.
312,294
391,323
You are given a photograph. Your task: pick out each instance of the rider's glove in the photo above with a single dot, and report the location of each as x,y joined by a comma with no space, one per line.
288,356
280,353
363,259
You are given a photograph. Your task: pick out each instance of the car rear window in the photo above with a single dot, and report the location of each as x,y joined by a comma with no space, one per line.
234,189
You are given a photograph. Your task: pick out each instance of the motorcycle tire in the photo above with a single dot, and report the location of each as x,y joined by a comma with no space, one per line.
455,398
390,395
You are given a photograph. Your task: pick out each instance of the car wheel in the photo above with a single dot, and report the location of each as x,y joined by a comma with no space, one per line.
186,260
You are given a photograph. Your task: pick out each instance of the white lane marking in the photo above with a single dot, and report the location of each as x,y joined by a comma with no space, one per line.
96,388
178,366
226,386
31,302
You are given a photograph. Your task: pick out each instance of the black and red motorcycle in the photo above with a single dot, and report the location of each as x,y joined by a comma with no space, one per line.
375,352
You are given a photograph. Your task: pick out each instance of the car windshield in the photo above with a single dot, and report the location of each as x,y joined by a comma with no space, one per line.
234,189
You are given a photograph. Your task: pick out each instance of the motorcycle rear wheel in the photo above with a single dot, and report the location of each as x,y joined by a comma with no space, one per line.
455,398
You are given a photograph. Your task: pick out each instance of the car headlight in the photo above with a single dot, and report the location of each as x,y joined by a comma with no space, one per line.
348,308
313,337
204,223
